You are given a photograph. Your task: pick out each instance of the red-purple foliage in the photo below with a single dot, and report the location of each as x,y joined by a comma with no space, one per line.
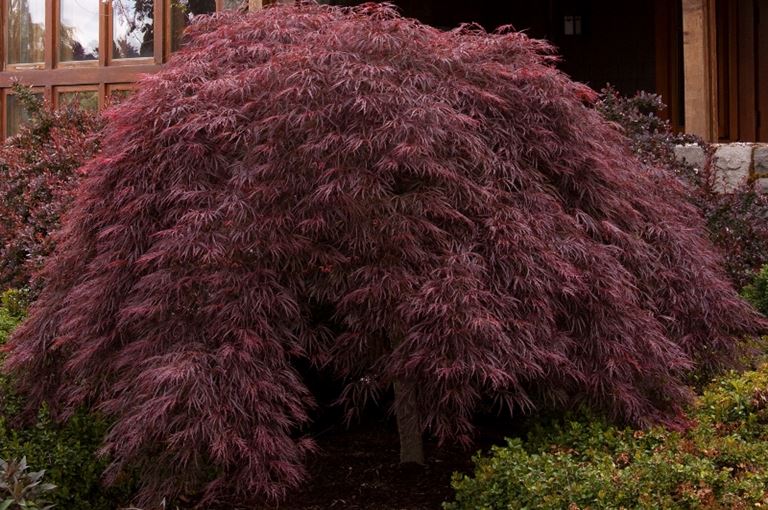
38,173
377,196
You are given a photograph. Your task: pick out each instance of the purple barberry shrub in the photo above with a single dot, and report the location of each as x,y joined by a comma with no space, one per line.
439,212
39,170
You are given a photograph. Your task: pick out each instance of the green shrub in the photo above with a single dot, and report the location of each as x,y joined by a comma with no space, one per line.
757,291
66,452
720,462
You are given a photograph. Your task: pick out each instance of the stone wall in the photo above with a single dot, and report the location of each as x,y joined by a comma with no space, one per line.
735,163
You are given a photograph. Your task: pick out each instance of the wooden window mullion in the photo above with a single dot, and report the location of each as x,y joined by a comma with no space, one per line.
51,31
3,42
102,91
159,28
105,32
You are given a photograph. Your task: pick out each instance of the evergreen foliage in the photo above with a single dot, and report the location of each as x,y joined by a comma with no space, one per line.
67,452
757,291
720,462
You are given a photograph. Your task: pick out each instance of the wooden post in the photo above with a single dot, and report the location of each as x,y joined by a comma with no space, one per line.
254,5
700,64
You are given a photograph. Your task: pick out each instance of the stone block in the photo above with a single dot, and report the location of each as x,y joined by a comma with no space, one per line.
761,160
761,185
691,153
732,164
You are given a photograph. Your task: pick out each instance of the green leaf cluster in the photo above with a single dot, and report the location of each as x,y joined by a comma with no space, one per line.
67,452
757,291
720,462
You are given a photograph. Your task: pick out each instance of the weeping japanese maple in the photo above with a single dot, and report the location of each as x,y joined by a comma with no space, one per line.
438,212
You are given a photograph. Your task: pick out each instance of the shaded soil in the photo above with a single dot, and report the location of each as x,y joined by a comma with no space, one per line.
359,469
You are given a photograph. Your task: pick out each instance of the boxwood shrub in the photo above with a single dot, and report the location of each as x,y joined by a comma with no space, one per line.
67,452
757,291
721,461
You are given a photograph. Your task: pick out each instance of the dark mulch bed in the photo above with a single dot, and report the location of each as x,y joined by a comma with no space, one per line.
358,469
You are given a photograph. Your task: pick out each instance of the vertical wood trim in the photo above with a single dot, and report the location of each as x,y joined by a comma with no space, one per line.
167,35
105,35
102,93
159,28
700,68
747,73
711,56
723,71
663,49
108,36
50,33
733,71
762,66
668,59
4,113
3,39
677,106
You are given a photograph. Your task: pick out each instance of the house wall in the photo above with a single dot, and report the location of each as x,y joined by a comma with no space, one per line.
616,46
726,69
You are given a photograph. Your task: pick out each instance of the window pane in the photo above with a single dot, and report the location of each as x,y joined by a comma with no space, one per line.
79,30
182,13
26,31
133,31
86,99
117,96
232,4
16,114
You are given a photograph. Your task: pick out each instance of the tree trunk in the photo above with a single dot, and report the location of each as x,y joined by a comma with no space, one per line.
411,441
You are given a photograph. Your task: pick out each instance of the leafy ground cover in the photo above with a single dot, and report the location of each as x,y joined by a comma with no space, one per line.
720,461
68,452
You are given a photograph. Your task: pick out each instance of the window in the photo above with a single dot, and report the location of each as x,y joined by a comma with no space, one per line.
78,30
182,12
133,28
15,114
90,51
85,99
116,94
572,25
25,33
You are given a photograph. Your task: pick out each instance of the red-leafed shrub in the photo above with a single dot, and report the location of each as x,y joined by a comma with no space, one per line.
737,221
38,173
436,211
